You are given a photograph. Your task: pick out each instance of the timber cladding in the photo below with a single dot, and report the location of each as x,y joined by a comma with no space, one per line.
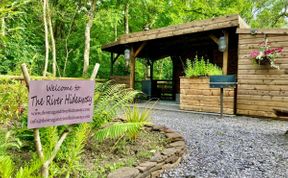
261,89
196,95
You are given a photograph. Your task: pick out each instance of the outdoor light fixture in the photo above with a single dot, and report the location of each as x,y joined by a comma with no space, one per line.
127,56
222,44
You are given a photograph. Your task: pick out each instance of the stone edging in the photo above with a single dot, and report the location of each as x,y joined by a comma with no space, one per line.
168,158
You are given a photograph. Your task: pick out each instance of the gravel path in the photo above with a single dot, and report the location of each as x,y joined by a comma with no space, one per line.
228,147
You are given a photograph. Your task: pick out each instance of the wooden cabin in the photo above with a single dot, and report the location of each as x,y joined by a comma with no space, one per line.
261,90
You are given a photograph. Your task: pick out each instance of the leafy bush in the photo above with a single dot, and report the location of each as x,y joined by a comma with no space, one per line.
13,95
200,67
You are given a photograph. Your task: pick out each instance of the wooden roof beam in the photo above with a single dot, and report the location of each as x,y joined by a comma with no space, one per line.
214,38
140,49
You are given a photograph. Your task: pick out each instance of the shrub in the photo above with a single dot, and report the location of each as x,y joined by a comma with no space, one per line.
200,67
13,95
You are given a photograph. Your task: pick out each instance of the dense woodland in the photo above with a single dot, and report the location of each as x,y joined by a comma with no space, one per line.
52,37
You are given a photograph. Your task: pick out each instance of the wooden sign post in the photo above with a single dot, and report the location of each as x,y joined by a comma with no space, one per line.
57,103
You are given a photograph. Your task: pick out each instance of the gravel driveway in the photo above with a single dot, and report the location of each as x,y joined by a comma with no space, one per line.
228,147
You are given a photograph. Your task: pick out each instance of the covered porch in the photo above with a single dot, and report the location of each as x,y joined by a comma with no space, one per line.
179,42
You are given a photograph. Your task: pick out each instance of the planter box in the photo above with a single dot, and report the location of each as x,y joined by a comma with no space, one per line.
196,95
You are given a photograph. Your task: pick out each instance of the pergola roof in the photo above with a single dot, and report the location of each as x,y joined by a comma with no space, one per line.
174,40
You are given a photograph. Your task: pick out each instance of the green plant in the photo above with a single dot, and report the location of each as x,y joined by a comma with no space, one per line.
200,67
70,154
13,95
7,141
109,99
6,166
265,54
134,122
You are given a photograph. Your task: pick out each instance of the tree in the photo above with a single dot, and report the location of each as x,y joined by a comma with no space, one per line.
87,35
45,5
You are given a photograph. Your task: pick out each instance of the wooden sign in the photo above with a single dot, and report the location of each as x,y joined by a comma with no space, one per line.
60,102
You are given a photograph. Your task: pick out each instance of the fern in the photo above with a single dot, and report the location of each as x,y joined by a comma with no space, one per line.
109,99
8,140
74,147
6,167
118,130
30,171
49,138
135,120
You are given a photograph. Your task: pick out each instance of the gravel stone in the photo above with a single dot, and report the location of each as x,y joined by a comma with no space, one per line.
229,147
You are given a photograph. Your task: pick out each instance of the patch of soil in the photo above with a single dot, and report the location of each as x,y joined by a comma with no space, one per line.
102,158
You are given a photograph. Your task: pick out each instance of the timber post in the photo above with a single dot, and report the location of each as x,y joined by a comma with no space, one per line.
132,69
225,54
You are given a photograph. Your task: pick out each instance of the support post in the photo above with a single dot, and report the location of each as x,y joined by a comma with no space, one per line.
111,64
225,54
132,69
151,70
112,61
221,102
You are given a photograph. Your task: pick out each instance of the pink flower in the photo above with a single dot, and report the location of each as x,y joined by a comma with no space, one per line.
265,52
254,53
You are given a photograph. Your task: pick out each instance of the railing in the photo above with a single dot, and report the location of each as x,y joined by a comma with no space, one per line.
162,89
165,88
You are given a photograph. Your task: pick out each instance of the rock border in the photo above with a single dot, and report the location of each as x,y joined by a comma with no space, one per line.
168,158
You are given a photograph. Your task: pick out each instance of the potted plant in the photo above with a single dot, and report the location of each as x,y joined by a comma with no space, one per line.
195,92
266,55
200,68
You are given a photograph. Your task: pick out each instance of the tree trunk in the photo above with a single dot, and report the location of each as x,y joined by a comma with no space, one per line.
46,37
126,18
54,63
87,37
66,42
3,26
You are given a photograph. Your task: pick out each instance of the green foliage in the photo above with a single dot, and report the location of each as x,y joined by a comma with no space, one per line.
7,169
163,69
110,98
13,95
30,170
49,137
8,141
6,166
70,154
200,67
134,122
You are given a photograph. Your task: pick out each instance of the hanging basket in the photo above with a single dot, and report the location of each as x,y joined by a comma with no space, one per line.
263,61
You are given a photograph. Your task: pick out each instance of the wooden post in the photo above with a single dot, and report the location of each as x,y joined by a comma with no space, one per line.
132,68
95,71
112,61
111,64
151,70
37,139
221,102
36,134
225,54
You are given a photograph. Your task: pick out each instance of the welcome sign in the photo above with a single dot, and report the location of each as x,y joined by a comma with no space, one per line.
60,102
